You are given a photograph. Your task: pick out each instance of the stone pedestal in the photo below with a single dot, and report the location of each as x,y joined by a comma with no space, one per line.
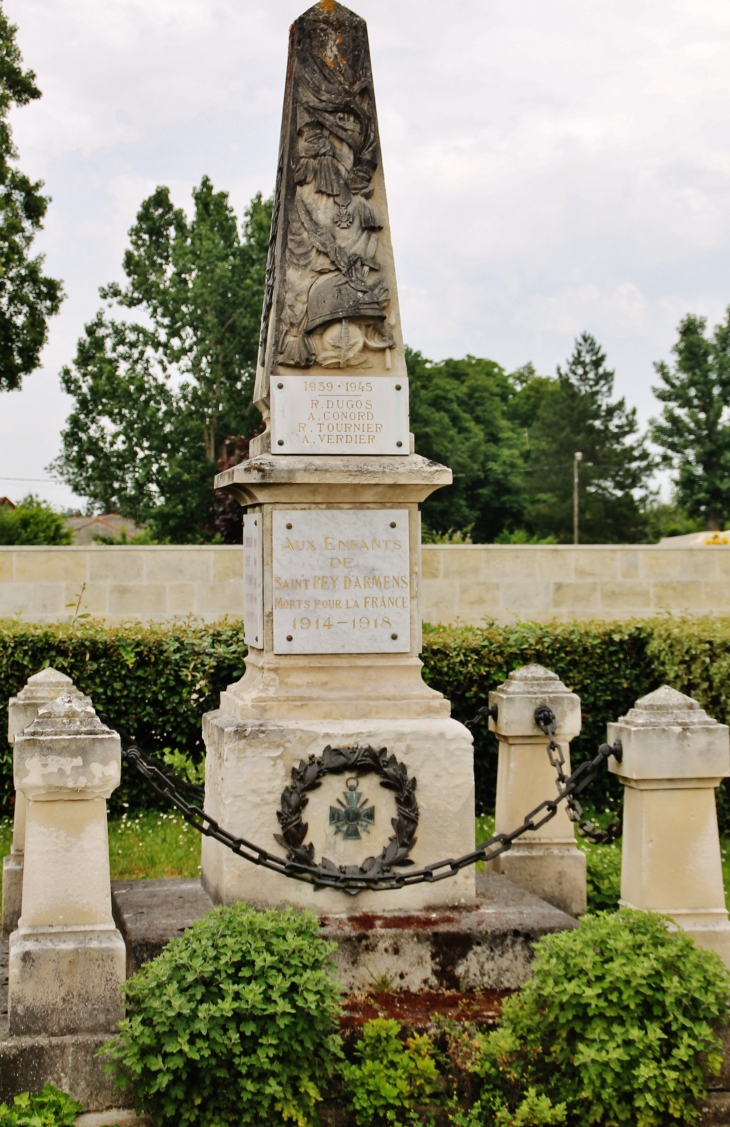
289,706
547,861
67,959
39,689
674,756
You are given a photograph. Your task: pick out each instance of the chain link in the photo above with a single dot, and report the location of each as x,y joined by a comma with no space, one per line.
326,875
546,722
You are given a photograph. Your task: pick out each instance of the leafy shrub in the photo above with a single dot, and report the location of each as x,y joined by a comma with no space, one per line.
234,1023
49,1108
603,875
33,522
389,1079
615,1020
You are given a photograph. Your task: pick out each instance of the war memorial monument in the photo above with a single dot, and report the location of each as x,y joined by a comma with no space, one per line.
331,753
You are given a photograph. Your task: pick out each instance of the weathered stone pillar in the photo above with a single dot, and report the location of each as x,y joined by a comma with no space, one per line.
547,861
67,959
39,689
674,756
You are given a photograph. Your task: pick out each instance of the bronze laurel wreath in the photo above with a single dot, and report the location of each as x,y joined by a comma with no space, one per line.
359,761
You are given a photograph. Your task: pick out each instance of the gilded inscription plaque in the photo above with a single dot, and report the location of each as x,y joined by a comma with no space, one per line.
339,415
341,581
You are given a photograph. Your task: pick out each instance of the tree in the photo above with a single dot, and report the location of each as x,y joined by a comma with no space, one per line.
576,412
28,297
459,417
159,401
694,428
33,522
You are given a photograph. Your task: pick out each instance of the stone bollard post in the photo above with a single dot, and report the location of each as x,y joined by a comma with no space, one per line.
39,689
673,757
67,959
546,862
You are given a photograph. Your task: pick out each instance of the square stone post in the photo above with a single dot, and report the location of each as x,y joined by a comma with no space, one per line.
67,959
39,689
547,861
674,756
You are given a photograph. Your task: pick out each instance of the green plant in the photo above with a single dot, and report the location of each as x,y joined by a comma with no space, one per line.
33,522
390,1079
49,1108
603,873
618,1020
234,1023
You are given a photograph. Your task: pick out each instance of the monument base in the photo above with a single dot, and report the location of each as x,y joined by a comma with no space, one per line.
249,764
557,873
65,981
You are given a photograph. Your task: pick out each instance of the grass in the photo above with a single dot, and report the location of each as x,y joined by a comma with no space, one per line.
153,844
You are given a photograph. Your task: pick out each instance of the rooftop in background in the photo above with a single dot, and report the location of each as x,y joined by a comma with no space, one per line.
697,540
87,530
6,501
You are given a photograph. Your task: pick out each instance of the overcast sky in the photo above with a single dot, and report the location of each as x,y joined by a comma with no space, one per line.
552,166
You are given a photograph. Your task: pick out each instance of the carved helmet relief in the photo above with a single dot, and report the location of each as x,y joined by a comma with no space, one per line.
330,292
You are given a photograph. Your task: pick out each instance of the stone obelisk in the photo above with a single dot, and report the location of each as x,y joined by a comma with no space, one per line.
331,527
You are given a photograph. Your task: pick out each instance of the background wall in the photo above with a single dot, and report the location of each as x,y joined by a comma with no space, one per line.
463,583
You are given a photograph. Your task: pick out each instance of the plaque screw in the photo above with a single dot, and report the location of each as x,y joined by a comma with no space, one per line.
281,442
392,524
397,387
288,526
394,636
289,638
280,385
397,443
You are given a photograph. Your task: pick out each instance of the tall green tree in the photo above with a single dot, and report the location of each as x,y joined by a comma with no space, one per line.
459,418
694,428
28,297
577,412
157,398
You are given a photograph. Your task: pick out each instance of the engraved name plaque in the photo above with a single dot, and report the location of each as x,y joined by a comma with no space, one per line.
253,581
339,415
341,581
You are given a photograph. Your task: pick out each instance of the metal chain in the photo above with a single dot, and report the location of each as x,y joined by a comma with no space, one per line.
546,722
170,787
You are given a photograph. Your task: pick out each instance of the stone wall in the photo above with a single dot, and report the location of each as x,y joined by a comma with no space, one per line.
461,582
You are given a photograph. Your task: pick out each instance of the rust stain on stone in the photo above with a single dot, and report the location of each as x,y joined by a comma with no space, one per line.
370,921
419,1010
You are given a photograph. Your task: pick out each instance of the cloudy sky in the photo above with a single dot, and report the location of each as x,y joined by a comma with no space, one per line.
551,166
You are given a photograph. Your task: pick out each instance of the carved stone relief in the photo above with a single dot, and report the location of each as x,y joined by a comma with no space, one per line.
329,288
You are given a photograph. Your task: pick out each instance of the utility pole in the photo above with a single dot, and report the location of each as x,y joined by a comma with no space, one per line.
577,459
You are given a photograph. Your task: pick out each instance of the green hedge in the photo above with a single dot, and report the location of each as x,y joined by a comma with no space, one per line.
159,680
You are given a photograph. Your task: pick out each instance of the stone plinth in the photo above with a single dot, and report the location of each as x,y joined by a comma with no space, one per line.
674,756
546,861
67,959
39,689
248,765
487,945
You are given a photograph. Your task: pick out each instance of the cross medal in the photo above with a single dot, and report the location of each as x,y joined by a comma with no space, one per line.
349,817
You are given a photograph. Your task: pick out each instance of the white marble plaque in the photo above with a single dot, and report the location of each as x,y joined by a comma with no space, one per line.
253,581
341,581
339,415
